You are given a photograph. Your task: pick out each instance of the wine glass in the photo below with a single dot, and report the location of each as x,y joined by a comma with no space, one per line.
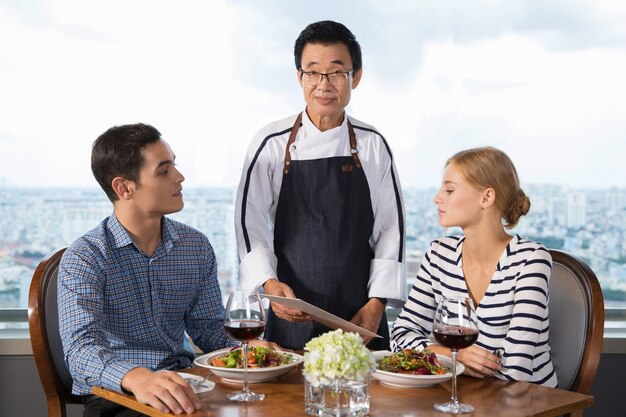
244,320
455,327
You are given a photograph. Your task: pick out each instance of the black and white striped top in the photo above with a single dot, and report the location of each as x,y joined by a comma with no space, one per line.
513,313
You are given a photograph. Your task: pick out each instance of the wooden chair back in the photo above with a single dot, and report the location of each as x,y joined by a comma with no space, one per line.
43,322
576,322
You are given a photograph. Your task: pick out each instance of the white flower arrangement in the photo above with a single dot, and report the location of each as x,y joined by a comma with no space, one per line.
337,355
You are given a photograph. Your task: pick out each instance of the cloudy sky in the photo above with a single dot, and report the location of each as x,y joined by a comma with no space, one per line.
543,80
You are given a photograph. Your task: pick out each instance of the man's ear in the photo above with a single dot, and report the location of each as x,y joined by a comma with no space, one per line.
299,77
488,197
122,187
356,78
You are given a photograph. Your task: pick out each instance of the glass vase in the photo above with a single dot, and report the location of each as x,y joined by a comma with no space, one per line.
338,398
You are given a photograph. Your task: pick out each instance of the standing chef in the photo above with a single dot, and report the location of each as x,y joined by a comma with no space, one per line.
319,212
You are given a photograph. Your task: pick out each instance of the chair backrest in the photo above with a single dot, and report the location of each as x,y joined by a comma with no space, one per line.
576,322
43,322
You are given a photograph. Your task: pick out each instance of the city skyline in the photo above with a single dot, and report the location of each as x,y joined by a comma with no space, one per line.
33,222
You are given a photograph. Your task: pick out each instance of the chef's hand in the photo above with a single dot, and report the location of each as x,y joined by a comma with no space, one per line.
274,287
369,316
166,390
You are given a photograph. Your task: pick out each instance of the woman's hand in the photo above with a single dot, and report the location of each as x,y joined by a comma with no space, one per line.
478,362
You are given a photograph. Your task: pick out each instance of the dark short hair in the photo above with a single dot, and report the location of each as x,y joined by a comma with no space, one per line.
117,153
328,32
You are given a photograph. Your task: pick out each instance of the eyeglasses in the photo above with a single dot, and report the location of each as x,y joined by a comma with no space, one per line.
337,78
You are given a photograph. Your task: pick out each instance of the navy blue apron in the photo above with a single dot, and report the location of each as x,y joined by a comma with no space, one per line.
322,231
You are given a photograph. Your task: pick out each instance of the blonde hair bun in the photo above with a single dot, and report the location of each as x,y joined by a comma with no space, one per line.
519,208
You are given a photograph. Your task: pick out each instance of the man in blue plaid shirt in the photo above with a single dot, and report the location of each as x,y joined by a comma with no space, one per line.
130,288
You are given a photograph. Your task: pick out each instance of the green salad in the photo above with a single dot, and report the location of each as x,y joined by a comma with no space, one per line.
258,357
413,362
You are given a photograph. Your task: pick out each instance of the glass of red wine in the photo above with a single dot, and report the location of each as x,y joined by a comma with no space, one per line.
455,327
244,320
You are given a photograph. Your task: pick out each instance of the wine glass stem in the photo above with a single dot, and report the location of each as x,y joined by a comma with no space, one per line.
454,398
245,367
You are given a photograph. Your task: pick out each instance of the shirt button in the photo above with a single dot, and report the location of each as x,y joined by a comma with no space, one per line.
293,147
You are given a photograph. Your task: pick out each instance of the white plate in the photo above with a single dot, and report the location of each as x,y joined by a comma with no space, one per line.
198,384
414,381
254,374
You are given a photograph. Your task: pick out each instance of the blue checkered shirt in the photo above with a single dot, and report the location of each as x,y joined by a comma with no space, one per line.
120,309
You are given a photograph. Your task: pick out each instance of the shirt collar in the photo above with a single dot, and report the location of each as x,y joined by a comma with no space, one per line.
503,258
459,252
312,130
169,234
121,237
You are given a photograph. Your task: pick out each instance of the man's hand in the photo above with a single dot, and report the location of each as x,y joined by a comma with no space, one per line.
369,316
165,390
273,287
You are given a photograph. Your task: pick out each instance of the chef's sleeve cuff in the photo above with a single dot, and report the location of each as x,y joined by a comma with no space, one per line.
387,280
256,267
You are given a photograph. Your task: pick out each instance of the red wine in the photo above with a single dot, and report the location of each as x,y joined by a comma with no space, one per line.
244,329
455,337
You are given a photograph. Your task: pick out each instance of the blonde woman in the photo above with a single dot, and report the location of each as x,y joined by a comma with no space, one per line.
505,275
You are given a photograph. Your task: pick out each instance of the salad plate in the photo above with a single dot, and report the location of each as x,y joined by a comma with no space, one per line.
400,380
255,374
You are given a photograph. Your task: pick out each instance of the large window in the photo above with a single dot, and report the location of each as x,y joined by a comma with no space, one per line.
542,80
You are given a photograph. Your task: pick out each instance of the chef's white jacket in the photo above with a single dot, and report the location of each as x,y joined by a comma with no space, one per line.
259,190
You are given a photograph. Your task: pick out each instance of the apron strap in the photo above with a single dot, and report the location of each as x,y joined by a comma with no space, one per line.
353,150
292,137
